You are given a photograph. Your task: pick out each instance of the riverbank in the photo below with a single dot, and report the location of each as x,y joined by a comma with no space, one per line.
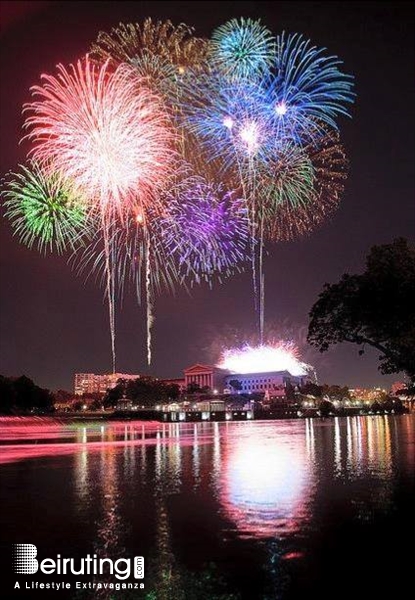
214,416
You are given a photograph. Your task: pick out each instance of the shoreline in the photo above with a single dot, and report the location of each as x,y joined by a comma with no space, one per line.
156,417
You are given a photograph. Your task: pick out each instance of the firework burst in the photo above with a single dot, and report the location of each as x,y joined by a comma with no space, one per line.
106,131
172,154
133,43
45,210
305,89
287,179
112,137
206,230
329,167
265,358
242,49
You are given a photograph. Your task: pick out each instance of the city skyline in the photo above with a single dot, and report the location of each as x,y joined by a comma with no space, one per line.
53,324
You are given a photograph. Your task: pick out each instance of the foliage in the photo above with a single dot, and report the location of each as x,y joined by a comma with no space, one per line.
311,389
235,384
409,392
20,394
373,309
326,408
144,391
335,392
194,388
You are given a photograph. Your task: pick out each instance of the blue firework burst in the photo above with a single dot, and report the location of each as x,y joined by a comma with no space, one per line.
305,90
229,119
242,48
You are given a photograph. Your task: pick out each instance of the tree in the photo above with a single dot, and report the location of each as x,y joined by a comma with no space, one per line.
374,309
326,408
336,392
7,395
113,395
311,389
146,391
235,384
409,392
193,388
172,391
290,392
22,395
63,396
95,404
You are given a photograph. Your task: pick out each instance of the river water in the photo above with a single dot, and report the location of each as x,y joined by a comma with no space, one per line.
248,510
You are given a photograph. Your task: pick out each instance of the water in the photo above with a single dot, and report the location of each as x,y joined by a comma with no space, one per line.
249,510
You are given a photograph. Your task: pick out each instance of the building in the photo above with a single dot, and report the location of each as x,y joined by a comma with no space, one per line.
124,404
273,383
205,377
90,383
367,395
397,387
210,405
218,381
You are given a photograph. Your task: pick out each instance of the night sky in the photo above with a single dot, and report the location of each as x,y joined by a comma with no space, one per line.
54,324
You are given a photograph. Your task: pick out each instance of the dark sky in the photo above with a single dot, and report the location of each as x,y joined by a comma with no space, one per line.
53,324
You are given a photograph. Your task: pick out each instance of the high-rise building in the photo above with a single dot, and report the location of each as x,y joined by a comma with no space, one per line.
91,383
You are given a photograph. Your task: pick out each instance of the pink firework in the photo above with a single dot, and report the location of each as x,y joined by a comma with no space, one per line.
106,131
112,137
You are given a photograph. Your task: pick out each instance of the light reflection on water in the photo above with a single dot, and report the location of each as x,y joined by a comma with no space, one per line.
134,487
265,486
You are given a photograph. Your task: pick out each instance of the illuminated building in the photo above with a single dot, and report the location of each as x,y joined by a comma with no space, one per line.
218,380
367,395
124,404
205,376
397,387
90,383
275,383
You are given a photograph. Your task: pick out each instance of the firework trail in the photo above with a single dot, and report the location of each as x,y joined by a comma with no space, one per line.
172,158
231,122
202,235
111,136
264,112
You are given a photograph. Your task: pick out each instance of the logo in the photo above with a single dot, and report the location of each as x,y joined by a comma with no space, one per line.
25,562
139,567
24,559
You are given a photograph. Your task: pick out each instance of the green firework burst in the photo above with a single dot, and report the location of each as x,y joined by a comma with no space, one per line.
45,210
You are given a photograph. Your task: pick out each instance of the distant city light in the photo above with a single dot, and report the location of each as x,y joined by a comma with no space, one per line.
280,356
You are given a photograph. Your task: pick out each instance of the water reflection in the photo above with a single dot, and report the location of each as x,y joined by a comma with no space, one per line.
182,494
110,526
265,486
